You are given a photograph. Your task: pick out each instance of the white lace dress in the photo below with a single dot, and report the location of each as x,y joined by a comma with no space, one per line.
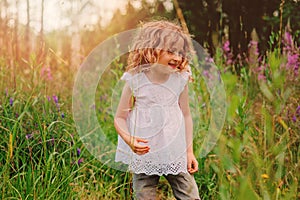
156,117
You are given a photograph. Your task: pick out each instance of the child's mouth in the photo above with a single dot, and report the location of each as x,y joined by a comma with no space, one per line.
173,65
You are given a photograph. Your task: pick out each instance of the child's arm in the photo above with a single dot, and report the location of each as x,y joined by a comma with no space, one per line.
184,105
121,125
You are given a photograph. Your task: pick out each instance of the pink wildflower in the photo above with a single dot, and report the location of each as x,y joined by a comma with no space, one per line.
226,46
46,73
227,52
261,77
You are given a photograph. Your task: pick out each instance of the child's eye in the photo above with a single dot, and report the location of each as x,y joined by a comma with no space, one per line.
179,53
170,52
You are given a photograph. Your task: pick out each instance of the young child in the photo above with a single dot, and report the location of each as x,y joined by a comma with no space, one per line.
153,117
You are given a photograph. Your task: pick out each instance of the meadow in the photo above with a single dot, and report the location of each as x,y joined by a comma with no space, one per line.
255,157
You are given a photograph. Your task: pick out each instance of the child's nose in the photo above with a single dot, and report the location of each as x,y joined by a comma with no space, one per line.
177,57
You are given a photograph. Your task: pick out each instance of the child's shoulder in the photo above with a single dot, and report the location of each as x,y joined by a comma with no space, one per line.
185,75
128,75
138,69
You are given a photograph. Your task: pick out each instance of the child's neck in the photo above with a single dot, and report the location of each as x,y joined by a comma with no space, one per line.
155,76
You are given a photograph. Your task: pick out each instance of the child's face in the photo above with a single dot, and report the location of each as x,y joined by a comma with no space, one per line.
170,60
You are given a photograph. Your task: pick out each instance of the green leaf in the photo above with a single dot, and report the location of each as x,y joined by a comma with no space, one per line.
266,91
246,191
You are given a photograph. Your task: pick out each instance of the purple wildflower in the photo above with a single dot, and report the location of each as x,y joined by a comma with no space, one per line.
80,161
62,115
294,118
11,101
298,110
78,151
28,136
55,99
49,98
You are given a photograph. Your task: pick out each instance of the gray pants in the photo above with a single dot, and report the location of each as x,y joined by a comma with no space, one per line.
183,185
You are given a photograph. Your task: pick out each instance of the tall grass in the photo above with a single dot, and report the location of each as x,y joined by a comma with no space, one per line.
256,157
41,156
258,153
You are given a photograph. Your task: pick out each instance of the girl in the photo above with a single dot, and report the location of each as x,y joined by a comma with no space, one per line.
153,117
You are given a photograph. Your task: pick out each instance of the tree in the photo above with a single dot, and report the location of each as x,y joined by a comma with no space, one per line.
41,51
207,20
4,40
16,32
27,31
78,7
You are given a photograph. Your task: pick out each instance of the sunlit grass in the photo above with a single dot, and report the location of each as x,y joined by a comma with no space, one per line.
256,157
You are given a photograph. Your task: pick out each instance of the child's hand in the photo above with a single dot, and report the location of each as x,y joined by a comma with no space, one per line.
192,163
137,148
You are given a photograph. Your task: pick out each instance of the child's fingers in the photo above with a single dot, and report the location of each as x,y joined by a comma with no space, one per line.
190,169
141,140
196,165
192,166
141,152
138,148
141,149
138,145
134,142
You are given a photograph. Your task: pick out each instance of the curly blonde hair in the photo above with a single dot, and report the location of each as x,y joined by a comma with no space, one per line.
153,38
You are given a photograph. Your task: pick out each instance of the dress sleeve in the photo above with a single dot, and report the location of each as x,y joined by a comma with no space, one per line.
187,74
185,78
126,76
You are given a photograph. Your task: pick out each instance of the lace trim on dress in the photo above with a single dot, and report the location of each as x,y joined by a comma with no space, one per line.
151,168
